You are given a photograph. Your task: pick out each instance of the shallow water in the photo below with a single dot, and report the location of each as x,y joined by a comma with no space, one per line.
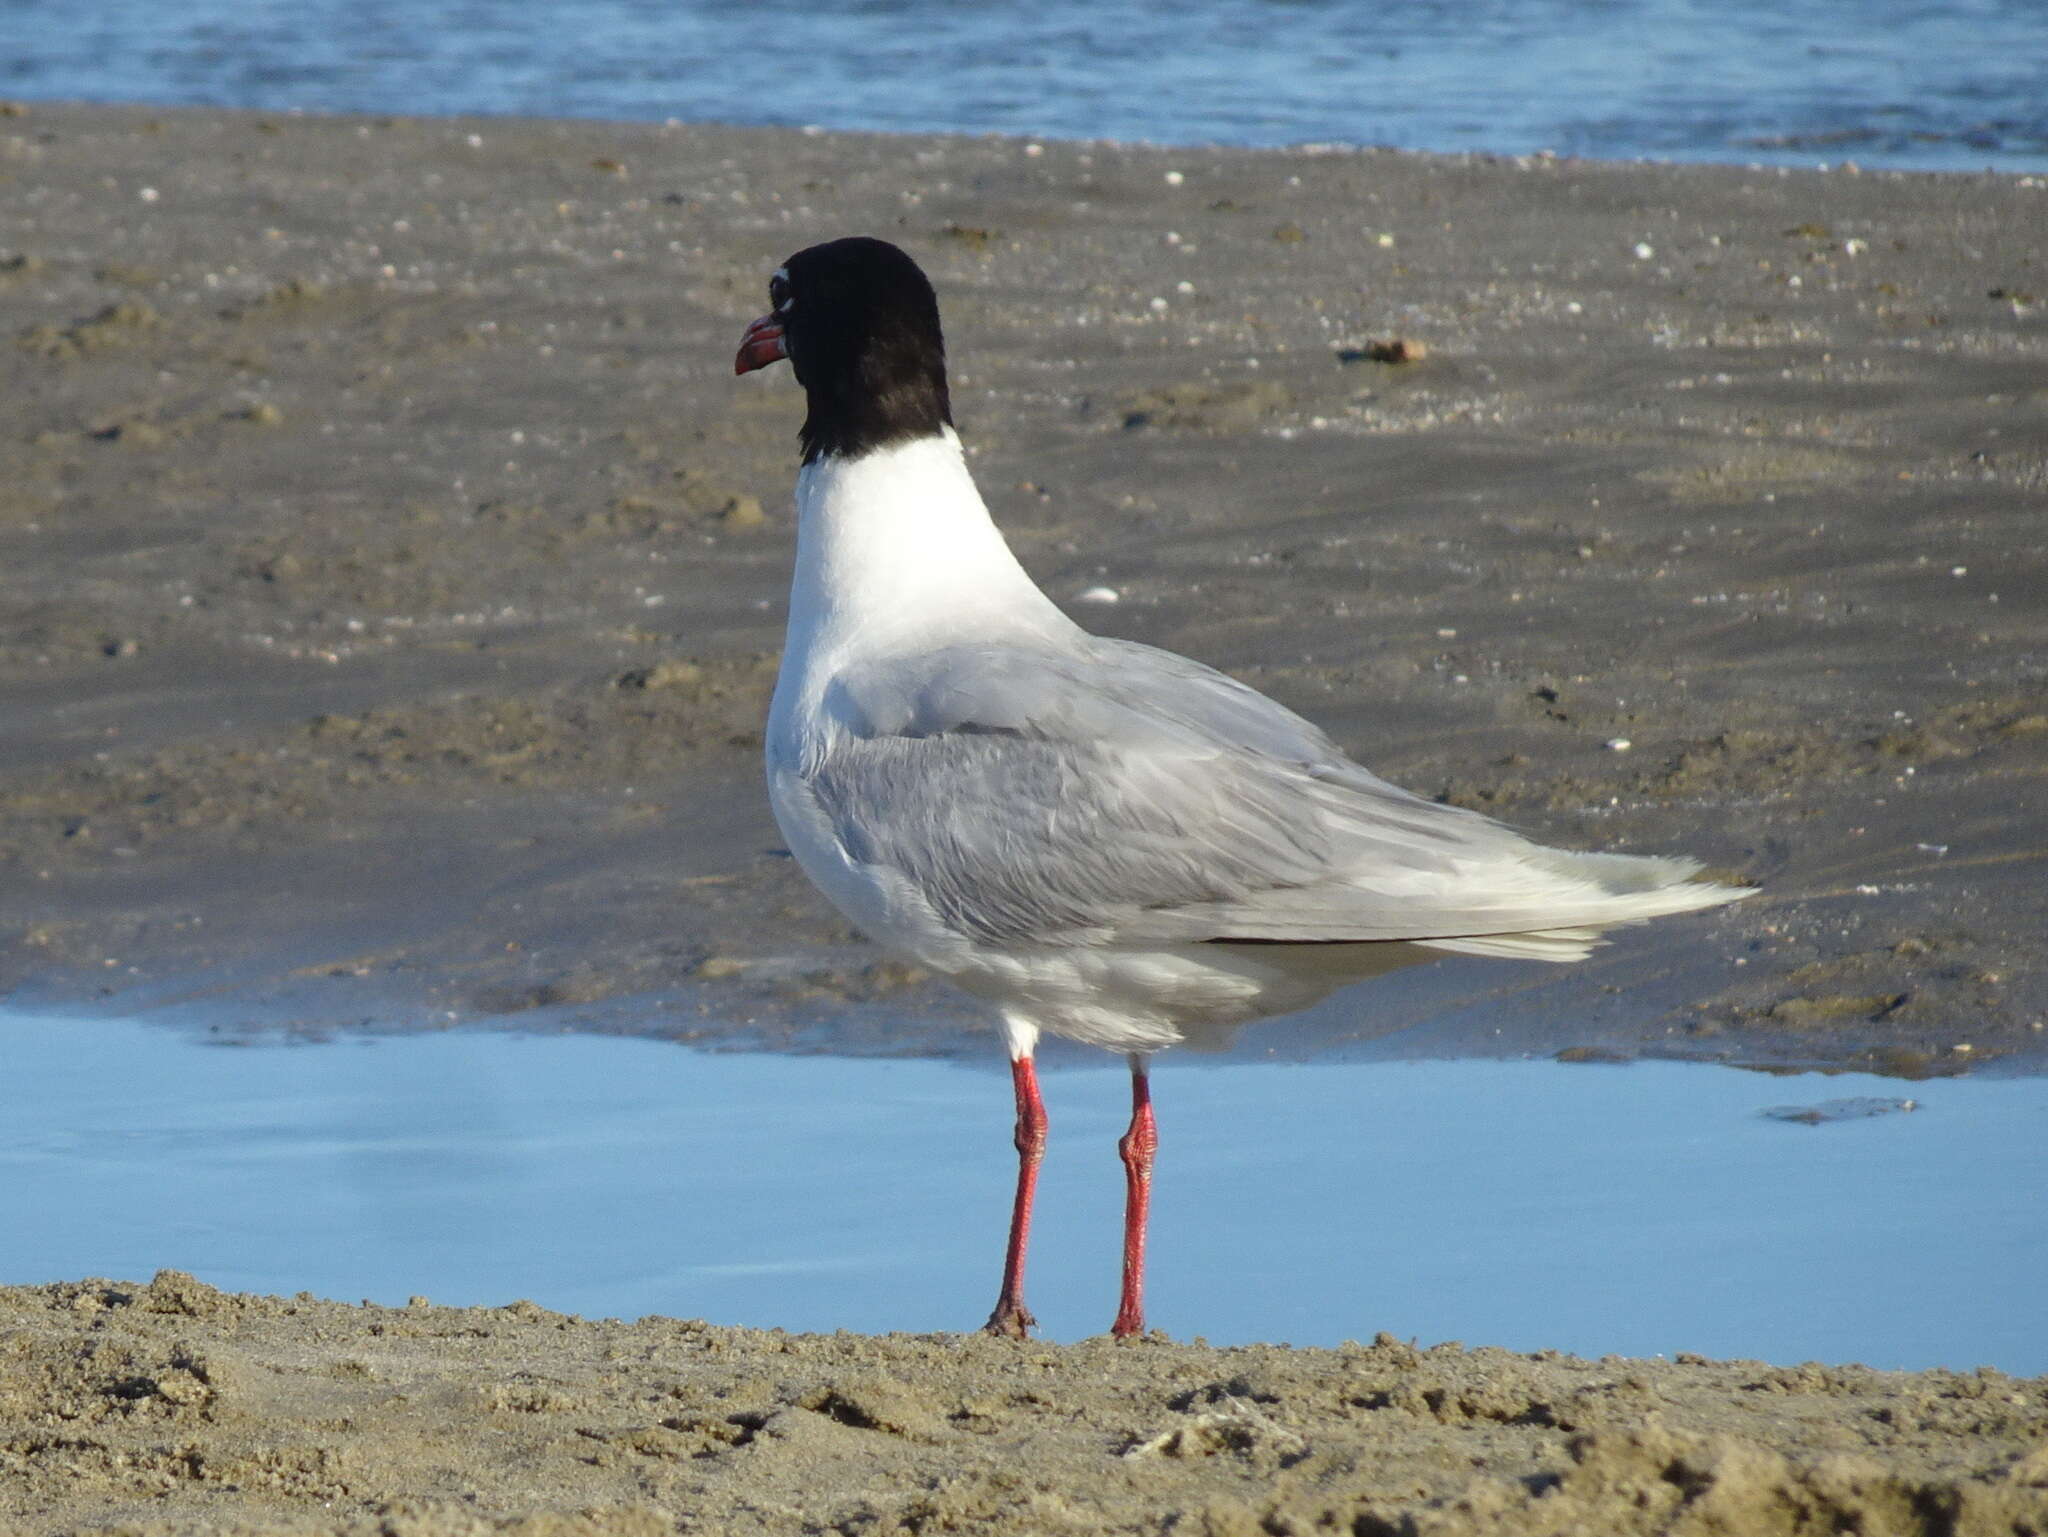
1962,84
1640,1210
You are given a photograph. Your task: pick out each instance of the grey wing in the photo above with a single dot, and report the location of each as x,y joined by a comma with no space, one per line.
1122,792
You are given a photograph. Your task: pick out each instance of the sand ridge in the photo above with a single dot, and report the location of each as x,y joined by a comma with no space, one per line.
171,1407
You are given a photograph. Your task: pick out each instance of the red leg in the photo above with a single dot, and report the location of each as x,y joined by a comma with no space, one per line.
1011,1318
1136,1149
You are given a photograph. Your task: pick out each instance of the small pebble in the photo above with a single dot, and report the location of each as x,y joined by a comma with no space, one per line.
743,511
1098,595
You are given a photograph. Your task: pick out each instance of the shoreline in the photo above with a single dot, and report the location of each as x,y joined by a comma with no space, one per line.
17,106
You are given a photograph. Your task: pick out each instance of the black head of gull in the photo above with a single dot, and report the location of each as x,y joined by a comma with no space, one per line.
860,324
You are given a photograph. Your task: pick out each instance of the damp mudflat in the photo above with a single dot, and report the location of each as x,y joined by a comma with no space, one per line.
1644,1209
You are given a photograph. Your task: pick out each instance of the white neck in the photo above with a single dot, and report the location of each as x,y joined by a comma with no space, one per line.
896,552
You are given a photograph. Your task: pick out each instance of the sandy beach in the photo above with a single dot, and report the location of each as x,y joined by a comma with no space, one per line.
391,578
173,1408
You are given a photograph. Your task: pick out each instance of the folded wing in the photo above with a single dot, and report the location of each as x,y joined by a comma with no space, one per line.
1116,793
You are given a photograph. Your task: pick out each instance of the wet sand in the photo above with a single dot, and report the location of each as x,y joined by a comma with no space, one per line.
390,578
392,569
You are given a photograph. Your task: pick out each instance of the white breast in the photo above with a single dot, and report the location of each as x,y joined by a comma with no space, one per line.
896,555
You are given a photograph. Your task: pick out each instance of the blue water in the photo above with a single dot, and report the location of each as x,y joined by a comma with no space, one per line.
1644,1210
1956,85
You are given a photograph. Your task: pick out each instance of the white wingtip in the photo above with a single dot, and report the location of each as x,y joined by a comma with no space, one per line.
1577,941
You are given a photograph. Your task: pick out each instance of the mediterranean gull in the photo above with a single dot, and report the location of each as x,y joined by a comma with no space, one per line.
1104,840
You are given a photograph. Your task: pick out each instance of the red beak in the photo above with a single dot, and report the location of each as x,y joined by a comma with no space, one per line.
763,344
